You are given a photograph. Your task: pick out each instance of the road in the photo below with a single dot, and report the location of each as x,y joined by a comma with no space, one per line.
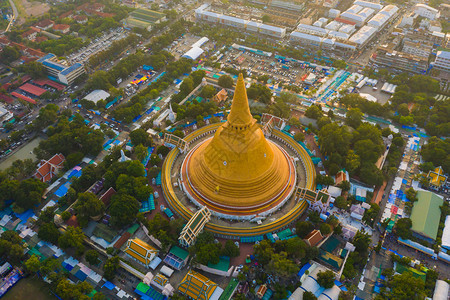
15,15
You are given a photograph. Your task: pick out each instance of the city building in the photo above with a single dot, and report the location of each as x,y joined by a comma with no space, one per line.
194,227
203,15
144,18
417,48
446,234
60,70
426,11
441,290
287,5
425,215
442,61
373,5
140,251
5,115
444,8
196,286
363,36
436,177
47,169
386,56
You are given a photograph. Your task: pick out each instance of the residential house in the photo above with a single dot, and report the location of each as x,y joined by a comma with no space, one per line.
30,34
81,19
45,24
63,28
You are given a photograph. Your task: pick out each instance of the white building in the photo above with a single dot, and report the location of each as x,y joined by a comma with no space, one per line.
193,53
306,39
363,36
417,48
5,115
373,5
426,11
272,31
334,13
61,70
442,61
314,30
97,95
201,14
253,26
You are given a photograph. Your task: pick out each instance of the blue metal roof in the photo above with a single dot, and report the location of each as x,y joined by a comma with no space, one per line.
71,69
53,65
48,56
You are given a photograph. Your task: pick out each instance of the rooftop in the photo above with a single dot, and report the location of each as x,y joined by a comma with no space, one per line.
426,214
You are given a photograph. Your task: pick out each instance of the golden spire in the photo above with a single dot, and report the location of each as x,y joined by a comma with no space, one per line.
240,112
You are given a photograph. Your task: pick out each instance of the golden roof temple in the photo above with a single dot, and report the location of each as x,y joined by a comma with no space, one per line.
239,171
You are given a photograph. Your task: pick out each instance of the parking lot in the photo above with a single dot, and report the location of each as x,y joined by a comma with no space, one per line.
285,71
97,45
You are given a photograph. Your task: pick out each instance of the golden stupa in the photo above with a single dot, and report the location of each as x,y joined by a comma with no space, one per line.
238,170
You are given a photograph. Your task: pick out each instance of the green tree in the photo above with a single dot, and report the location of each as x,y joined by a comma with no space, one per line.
140,136
352,161
208,91
48,232
123,209
361,241
73,159
281,266
264,252
225,81
68,291
405,286
344,186
299,137
265,19
72,238
411,194
230,249
110,267
314,112
334,139
403,228
325,228
303,228
326,279
371,213
140,151
341,202
309,296
91,257
88,205
354,117
33,264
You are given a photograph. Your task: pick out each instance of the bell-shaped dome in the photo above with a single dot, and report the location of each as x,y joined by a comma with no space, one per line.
238,169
